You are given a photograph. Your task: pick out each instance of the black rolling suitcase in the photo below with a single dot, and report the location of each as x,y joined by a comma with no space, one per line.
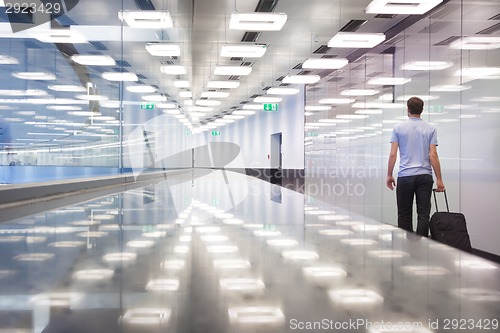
449,228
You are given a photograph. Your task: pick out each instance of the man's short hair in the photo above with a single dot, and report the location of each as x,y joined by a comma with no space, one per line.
415,105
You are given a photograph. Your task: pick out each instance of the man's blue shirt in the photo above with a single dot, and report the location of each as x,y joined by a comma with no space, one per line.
414,137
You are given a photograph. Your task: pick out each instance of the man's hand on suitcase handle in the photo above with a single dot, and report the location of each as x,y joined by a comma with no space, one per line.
440,186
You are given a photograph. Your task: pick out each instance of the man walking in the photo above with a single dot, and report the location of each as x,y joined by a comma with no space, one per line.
417,144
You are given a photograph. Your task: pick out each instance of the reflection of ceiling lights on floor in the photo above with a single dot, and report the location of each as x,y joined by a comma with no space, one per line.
355,296
93,274
34,257
242,285
255,315
163,285
424,270
230,264
324,272
147,316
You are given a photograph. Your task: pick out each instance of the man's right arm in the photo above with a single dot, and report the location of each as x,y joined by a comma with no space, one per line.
436,165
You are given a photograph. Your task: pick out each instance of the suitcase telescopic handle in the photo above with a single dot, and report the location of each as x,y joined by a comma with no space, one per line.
445,199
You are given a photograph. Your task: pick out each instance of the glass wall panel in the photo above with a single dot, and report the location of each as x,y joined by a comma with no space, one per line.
80,95
451,59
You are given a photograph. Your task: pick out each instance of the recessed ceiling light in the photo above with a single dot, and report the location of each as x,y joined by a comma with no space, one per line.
173,69
200,109
257,21
282,91
317,107
141,88
423,97
232,70
181,84
369,111
214,94
166,105
235,117
119,76
389,81
244,112
155,98
476,43
264,99
351,116
67,88
478,72
28,92
449,88
426,65
252,107
324,63
93,60
206,102
412,7
223,84
42,76
163,49
92,97
336,101
301,79
243,50
356,40
61,36
8,60
147,19
359,92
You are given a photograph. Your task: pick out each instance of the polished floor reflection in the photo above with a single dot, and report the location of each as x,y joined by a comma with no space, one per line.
215,251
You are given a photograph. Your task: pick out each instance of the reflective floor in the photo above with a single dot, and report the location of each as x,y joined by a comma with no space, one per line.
214,251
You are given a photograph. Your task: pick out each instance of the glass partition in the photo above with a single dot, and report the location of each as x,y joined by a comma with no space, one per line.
451,59
79,95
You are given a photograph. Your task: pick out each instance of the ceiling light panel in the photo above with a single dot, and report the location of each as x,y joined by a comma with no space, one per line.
232,70
120,77
324,63
223,84
426,65
389,81
263,99
41,76
181,84
336,101
93,60
413,7
282,91
356,40
257,21
214,94
60,36
163,49
243,50
359,92
476,43
8,60
173,69
141,88
301,79
147,19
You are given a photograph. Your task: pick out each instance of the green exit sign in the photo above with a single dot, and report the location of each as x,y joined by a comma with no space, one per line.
270,107
310,134
147,106
215,133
